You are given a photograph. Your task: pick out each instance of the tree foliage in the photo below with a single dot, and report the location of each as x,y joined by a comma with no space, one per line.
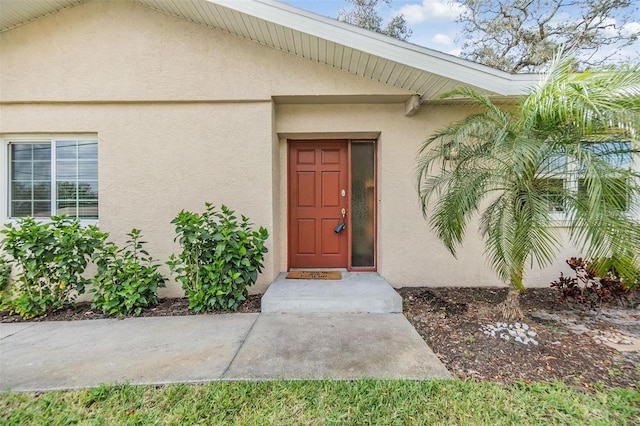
505,164
364,14
522,35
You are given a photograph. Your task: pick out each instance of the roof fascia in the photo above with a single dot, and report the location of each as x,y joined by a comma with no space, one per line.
405,53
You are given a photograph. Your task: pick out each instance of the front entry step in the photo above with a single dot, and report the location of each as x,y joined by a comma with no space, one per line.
365,292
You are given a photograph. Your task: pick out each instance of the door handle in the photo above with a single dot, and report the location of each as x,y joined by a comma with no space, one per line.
341,226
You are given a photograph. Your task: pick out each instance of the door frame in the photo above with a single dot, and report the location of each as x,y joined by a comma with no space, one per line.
349,143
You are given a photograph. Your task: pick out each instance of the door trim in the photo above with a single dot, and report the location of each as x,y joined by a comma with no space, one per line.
349,143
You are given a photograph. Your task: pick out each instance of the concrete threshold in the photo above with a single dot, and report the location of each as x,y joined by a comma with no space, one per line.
356,292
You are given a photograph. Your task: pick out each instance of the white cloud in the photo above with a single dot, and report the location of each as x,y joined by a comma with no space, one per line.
612,54
443,40
609,29
630,28
454,52
432,10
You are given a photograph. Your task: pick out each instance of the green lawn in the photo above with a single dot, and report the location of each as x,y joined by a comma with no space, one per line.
325,402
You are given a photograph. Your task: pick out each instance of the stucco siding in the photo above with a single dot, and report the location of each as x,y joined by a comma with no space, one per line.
409,253
117,50
185,114
155,160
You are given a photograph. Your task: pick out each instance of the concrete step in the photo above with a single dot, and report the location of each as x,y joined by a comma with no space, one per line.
363,292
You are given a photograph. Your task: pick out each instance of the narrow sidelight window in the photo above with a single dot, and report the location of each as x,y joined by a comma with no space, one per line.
363,204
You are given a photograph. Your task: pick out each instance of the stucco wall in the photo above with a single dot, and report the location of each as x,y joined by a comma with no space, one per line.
117,50
409,254
155,160
185,114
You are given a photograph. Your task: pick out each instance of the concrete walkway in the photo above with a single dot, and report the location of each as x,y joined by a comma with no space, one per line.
78,354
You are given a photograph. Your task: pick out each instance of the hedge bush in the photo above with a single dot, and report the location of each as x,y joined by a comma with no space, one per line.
221,256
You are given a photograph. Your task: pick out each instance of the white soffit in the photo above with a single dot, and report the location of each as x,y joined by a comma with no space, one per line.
18,12
419,70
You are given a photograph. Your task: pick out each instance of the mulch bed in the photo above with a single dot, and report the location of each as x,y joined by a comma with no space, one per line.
450,321
165,308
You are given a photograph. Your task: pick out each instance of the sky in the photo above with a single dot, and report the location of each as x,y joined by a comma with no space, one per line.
432,21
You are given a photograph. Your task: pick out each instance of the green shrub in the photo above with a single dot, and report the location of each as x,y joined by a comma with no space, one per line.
631,281
220,257
5,276
127,279
5,273
50,258
590,288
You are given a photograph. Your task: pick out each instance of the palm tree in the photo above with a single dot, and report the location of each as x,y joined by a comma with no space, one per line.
564,152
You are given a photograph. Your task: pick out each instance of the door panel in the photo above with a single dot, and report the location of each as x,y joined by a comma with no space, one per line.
331,189
306,189
317,176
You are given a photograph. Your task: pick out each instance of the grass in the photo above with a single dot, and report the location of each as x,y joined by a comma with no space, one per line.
325,402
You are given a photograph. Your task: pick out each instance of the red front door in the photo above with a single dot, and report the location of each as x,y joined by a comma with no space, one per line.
317,195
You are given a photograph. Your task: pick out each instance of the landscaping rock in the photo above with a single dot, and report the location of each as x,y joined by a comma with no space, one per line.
521,333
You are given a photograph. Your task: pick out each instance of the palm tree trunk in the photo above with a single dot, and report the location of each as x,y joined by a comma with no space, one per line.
510,308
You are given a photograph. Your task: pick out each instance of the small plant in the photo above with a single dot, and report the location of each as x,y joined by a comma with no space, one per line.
587,287
569,288
5,273
5,276
632,281
50,258
127,280
220,258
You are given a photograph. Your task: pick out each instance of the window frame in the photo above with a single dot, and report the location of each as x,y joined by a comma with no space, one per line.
571,180
52,139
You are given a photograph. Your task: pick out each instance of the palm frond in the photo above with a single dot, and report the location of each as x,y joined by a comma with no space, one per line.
514,161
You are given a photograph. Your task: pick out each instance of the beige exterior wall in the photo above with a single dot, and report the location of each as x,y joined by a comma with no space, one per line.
409,253
185,114
116,50
157,159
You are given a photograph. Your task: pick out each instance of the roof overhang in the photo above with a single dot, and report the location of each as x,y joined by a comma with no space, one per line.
418,70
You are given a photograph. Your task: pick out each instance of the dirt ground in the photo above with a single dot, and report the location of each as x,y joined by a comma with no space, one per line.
165,308
570,339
